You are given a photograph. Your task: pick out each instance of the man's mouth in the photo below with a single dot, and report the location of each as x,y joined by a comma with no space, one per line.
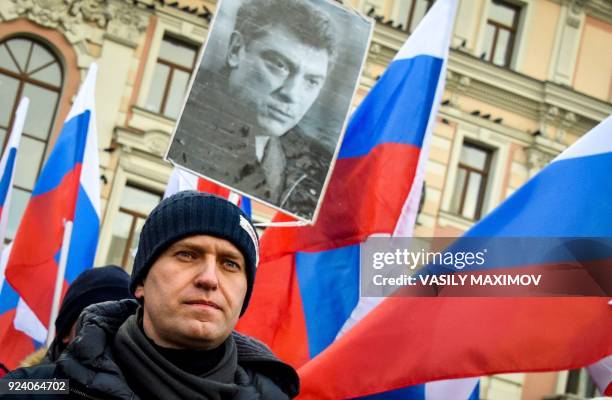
203,303
279,113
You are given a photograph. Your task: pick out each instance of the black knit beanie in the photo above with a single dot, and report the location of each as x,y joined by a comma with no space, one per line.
92,286
191,213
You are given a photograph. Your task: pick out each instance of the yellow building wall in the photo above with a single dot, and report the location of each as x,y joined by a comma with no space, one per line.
469,104
594,66
539,44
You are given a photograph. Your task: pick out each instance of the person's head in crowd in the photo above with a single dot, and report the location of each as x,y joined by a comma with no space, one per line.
92,286
194,270
278,59
193,277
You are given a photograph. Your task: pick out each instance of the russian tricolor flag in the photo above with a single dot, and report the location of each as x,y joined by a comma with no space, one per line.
8,302
307,285
415,340
68,189
184,180
7,167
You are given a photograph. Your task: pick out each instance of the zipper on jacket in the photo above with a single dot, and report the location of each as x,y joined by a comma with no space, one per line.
83,394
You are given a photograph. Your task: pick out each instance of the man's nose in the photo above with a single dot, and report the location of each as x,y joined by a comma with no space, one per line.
289,91
206,277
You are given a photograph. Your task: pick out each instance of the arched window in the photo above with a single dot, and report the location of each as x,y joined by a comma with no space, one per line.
28,68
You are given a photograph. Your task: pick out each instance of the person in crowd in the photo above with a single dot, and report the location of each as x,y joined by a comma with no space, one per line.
95,285
193,276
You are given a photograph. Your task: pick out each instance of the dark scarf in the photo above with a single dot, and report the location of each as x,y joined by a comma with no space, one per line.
196,362
151,375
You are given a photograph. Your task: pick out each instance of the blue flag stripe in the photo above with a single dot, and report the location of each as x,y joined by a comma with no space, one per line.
84,237
68,151
8,173
329,283
397,109
562,192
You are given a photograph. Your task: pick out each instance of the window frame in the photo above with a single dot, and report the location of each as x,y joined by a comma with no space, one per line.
485,174
167,36
514,30
115,208
128,244
23,80
501,169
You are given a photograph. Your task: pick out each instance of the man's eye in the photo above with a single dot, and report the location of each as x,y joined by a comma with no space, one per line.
185,255
277,65
231,265
313,83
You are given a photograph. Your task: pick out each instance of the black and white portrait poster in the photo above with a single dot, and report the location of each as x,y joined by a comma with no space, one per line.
270,98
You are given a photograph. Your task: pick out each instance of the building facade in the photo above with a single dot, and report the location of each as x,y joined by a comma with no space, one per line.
526,78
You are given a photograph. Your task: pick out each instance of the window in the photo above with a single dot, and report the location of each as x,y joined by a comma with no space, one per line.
500,32
174,66
418,9
27,68
471,181
136,204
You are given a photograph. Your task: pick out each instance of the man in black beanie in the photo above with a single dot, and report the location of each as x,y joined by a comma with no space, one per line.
193,277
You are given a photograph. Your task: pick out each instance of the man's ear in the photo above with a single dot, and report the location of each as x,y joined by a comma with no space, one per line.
234,50
139,292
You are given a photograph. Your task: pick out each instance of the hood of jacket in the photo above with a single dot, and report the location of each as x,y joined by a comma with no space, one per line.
89,359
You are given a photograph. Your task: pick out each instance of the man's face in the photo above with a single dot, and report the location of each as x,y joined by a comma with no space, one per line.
193,293
277,76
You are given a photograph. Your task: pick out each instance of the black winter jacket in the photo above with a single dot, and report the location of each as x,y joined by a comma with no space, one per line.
89,364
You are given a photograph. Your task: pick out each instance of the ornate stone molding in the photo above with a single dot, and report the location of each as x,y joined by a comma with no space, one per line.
126,23
577,6
567,123
537,158
564,121
153,143
548,116
506,88
64,13
575,10
156,142
92,10
121,18
48,13
601,9
524,95
457,85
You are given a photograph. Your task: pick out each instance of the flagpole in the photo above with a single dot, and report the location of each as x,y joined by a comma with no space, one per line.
59,282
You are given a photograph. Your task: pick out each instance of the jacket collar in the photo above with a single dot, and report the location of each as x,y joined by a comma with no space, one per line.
89,361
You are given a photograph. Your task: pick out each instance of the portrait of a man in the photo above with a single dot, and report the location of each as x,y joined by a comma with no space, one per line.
244,122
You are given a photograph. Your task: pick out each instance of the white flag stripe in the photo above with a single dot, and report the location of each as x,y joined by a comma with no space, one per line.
90,174
26,322
180,180
20,114
601,372
431,37
451,389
